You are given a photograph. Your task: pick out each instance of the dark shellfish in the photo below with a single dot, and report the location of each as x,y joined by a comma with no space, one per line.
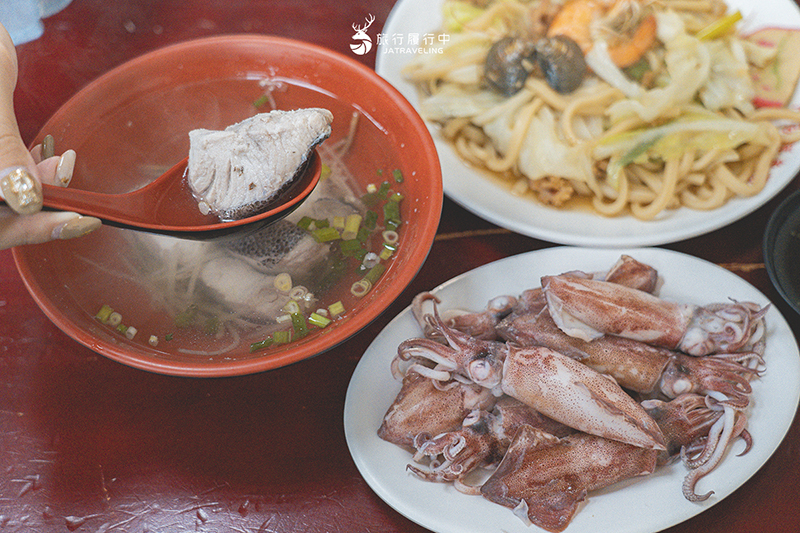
562,63
512,60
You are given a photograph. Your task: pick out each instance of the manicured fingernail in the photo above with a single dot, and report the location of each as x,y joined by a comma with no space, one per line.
36,153
76,227
65,168
21,191
48,147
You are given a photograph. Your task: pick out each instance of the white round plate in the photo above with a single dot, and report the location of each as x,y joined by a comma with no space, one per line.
640,505
493,202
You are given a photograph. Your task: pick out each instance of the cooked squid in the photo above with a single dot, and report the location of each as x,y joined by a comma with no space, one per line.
573,415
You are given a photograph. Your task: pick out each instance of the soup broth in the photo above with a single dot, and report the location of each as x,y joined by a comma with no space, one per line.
211,298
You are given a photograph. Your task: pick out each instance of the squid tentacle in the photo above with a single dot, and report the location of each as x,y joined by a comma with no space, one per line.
730,426
421,308
706,374
482,441
684,421
474,444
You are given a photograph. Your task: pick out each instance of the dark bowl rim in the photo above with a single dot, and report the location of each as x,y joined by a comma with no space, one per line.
775,226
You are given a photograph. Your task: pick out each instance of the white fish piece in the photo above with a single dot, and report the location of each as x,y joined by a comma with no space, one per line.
238,170
242,288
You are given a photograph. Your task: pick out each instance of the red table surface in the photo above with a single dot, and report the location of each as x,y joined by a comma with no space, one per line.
87,444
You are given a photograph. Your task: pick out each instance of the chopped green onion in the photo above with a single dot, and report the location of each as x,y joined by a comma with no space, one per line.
261,100
338,222
638,69
351,226
299,326
283,282
122,328
375,273
168,337
372,187
384,189
370,219
360,288
398,175
386,252
393,224
336,309
291,307
130,332
104,313
325,172
298,292
719,27
326,234
283,319
186,318
371,199
363,234
350,247
305,223
114,319
260,345
153,340
318,320
391,210
390,237
282,337
321,223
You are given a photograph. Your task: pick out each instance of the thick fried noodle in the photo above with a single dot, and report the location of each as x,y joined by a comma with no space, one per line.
678,128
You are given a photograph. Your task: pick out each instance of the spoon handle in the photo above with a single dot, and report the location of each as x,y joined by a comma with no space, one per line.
90,203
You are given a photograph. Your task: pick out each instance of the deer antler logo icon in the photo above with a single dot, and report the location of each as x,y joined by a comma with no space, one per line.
363,42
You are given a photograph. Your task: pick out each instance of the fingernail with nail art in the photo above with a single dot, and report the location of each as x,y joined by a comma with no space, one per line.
76,227
48,147
21,191
65,168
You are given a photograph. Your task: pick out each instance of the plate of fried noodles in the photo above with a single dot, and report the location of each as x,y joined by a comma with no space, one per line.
603,123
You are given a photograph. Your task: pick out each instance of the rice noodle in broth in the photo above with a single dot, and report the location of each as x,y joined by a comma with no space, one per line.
675,127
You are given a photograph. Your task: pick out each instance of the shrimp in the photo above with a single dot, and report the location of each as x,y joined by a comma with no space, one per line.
627,28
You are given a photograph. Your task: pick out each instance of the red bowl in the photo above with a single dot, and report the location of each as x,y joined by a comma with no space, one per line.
132,123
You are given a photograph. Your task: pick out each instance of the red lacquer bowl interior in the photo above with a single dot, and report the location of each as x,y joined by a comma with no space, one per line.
132,124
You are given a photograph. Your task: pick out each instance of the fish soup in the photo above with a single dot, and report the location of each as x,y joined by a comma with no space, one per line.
279,285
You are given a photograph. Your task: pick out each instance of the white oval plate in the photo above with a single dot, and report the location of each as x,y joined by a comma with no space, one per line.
641,505
493,202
